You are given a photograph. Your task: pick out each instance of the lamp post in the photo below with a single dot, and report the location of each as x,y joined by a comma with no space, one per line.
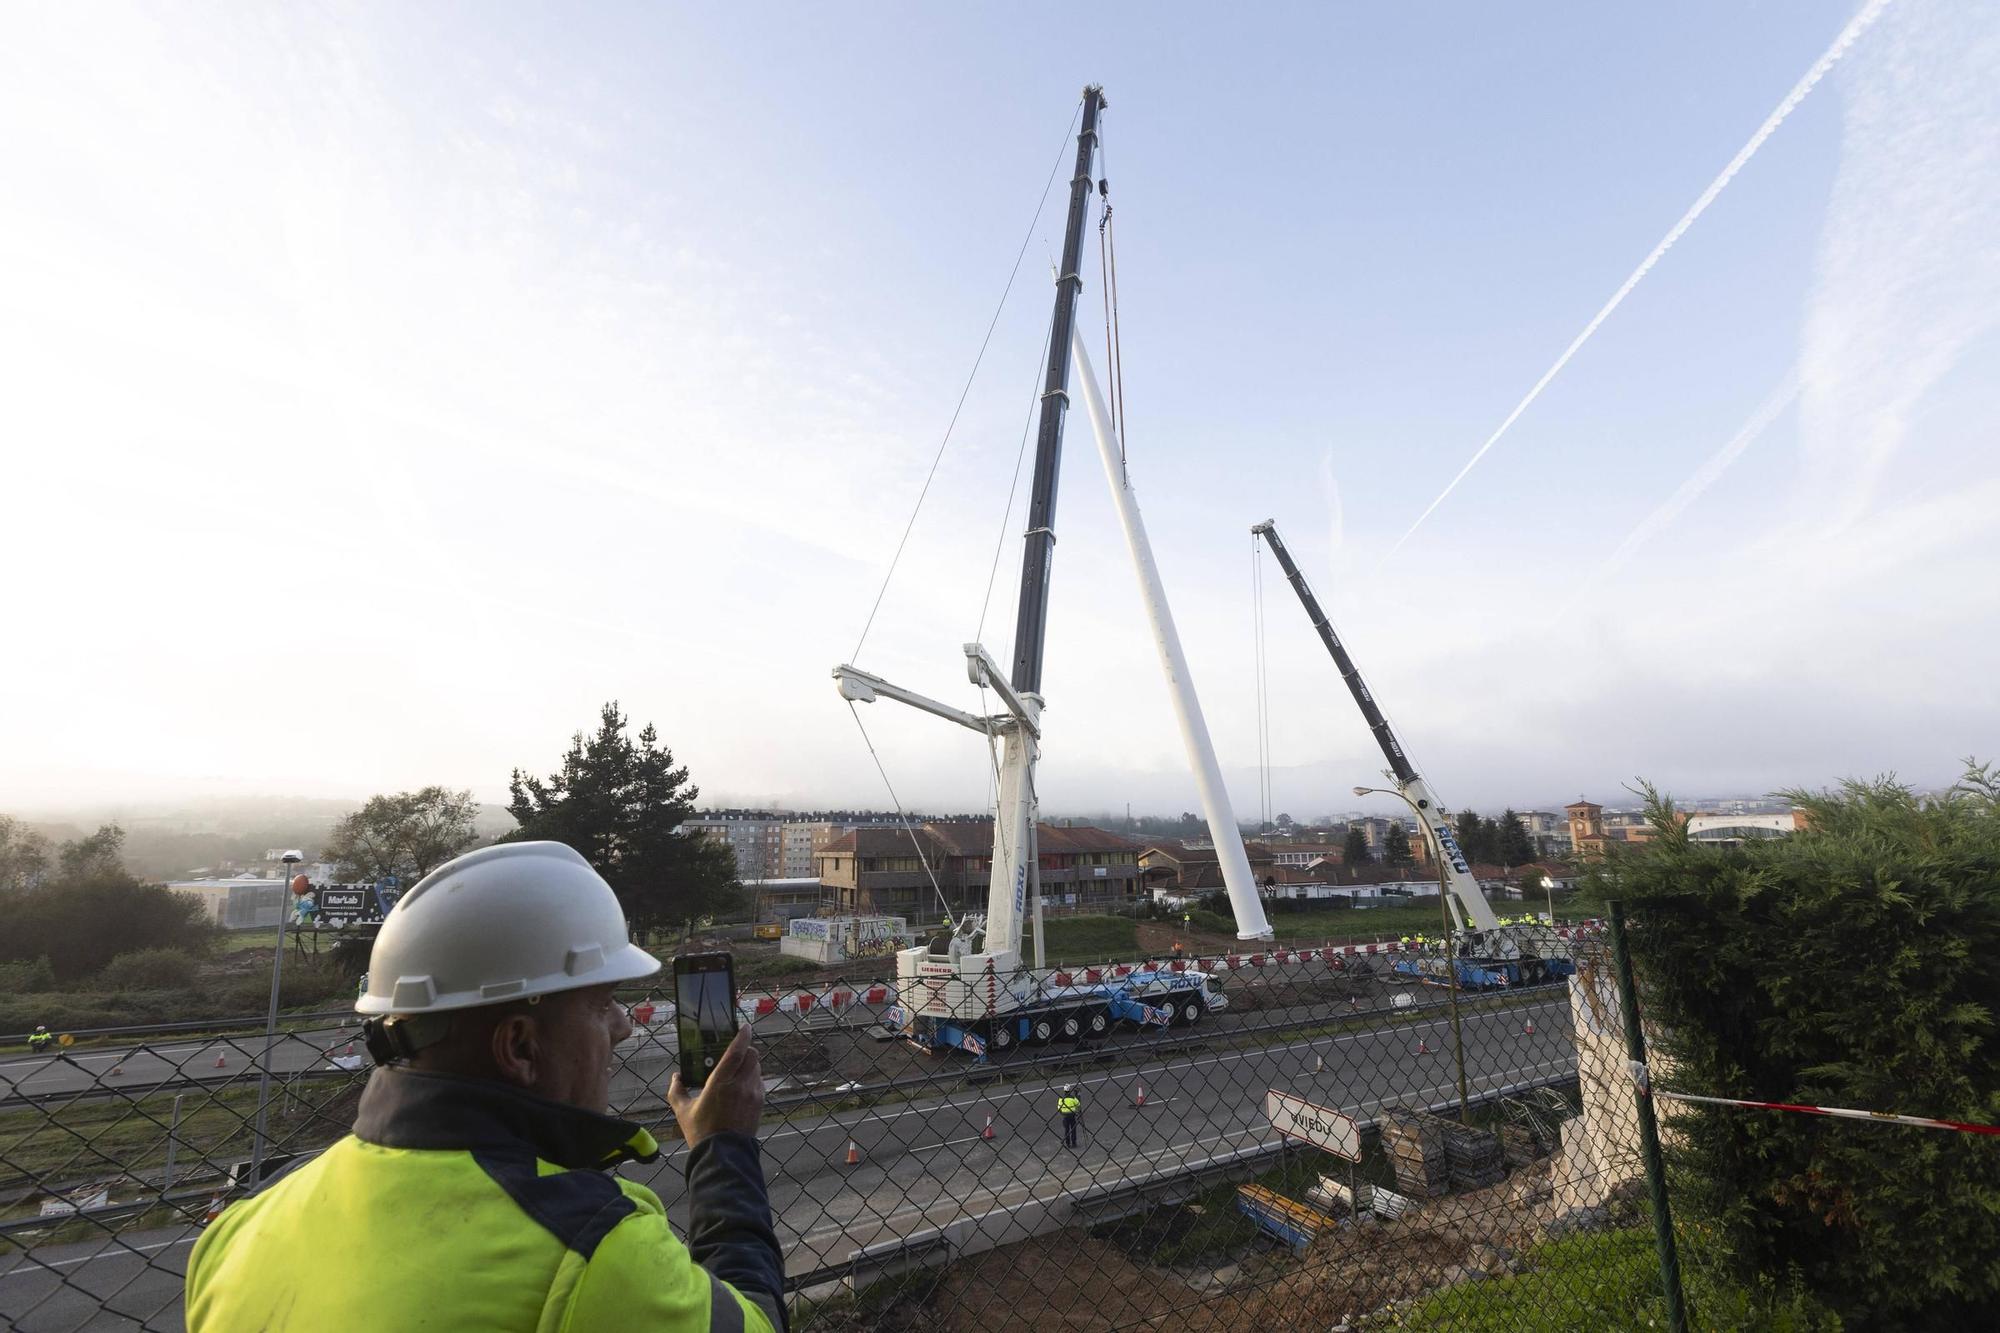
1450,948
1549,887
258,1143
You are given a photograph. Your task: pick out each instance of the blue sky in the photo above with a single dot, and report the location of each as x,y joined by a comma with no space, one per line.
394,385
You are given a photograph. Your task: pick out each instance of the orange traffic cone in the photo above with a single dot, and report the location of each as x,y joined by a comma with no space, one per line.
853,1153
1140,1099
116,1070
987,1133
1319,1063
1529,1030
221,1061
350,1049
1423,1047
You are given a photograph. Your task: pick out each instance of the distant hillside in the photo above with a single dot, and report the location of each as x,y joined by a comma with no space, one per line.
174,840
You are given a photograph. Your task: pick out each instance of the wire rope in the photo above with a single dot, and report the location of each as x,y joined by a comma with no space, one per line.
897,802
963,393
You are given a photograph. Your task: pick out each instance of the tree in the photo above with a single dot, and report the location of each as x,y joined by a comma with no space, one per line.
1354,851
24,856
1852,963
1466,829
1396,847
1516,847
621,804
408,834
90,909
1284,821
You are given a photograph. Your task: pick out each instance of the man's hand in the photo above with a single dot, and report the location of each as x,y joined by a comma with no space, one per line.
732,1099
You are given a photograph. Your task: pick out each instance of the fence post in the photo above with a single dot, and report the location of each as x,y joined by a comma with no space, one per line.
173,1137
1649,1130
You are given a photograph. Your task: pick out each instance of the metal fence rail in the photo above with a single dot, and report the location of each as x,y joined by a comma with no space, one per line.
922,1190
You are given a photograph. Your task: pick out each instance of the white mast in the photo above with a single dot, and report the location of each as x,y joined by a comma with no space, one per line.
1242,885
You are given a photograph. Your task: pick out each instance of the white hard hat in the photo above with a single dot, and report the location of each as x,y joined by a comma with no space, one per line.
502,923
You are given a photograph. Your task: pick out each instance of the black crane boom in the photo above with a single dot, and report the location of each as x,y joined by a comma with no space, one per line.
1392,748
1031,624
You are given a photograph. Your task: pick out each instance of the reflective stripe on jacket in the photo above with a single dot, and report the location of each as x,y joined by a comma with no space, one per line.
461,1203
1068,1105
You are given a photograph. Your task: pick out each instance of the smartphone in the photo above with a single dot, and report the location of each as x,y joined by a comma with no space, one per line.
705,1011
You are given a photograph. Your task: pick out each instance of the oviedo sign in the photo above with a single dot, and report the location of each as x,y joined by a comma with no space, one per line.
1298,1119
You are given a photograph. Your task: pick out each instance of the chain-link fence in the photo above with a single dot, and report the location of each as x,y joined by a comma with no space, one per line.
1295,1139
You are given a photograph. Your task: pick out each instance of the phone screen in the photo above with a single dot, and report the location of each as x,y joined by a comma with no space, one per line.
705,1011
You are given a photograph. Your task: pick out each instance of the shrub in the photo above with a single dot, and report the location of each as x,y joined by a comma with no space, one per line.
315,983
149,969
84,917
1853,963
33,974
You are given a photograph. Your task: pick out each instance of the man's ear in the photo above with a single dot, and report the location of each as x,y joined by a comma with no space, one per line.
516,1049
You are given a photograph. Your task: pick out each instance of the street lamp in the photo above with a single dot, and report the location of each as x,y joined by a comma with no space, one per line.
1549,887
257,1145
1450,947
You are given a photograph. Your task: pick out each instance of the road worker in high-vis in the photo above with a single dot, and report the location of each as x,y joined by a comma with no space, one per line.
476,1189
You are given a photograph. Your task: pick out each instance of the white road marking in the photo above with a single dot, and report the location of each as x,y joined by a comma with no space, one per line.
28,1267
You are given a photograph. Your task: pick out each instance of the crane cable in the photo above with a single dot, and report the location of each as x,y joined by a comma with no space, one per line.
896,802
1107,263
963,393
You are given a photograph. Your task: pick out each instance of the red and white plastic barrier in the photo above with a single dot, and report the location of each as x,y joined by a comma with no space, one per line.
755,1004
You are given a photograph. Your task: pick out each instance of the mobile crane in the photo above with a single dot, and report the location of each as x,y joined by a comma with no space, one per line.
972,991
1489,955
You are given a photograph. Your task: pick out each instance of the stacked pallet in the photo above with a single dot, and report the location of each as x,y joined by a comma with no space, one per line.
1473,1157
1290,1221
1414,1143
1518,1146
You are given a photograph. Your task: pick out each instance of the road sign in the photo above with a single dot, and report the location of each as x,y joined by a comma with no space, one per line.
971,1042
1296,1118
66,1040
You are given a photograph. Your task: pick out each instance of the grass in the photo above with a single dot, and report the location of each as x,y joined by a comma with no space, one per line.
1342,924
763,969
108,1138
1602,1280
1089,939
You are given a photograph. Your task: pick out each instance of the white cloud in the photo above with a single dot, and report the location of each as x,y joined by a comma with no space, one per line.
1909,267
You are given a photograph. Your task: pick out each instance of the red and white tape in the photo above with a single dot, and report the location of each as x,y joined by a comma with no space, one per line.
1842,1112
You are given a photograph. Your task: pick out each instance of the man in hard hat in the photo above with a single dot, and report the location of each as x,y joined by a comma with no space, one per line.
1069,1106
476,1189
40,1040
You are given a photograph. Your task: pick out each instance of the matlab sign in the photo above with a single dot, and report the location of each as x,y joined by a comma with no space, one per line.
1298,1119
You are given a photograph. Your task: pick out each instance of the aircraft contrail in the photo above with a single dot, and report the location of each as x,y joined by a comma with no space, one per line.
1698,481
1848,35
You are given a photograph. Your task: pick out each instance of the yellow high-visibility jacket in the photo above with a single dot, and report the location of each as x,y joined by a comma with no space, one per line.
459,1203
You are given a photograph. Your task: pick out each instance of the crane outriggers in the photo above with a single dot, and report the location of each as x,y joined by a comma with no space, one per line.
1489,953
973,991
